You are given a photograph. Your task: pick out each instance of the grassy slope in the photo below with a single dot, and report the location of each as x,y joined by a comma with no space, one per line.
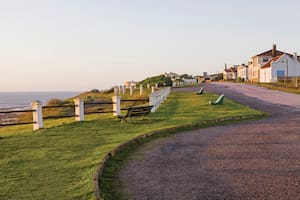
59,162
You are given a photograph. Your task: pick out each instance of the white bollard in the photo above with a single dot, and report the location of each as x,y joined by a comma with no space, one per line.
37,115
148,86
141,90
156,85
79,109
116,105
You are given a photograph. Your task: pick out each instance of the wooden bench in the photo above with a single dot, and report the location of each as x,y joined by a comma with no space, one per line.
200,91
136,111
219,101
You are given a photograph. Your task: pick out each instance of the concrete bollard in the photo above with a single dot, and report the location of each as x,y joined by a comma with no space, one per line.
148,86
37,115
79,109
141,90
116,105
156,85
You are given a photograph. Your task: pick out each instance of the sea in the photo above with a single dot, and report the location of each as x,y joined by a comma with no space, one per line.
24,99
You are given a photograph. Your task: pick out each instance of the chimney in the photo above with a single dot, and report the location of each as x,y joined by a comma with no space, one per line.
274,51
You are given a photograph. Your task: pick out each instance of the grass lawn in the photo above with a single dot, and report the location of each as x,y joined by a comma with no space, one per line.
59,162
280,87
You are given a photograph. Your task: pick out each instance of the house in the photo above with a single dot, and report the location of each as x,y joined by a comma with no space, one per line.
203,78
242,72
230,73
129,84
259,60
280,68
172,75
189,81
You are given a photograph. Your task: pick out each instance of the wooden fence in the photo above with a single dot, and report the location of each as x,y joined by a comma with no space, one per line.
80,108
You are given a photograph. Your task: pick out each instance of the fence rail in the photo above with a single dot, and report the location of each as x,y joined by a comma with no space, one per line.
15,111
14,124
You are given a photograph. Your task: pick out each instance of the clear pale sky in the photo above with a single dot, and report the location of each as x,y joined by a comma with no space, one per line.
77,45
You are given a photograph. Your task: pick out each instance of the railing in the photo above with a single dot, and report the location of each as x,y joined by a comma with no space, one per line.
80,108
15,123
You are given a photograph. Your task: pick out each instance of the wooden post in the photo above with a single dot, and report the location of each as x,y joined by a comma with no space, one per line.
37,115
116,105
79,109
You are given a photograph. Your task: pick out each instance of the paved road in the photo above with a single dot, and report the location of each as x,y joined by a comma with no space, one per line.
251,160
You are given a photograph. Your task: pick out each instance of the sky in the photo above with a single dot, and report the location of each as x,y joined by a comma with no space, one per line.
78,45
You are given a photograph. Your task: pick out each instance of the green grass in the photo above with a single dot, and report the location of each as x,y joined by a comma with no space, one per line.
280,86
59,162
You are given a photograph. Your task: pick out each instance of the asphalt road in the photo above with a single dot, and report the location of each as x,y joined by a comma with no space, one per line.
250,160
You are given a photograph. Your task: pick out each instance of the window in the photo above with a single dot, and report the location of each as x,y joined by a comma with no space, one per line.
280,73
265,59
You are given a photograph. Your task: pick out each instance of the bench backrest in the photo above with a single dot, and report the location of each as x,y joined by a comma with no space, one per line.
201,91
220,99
135,111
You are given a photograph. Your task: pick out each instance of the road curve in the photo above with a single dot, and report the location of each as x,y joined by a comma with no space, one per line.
250,160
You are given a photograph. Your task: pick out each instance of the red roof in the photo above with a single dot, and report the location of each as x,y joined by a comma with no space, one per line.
269,53
231,69
268,64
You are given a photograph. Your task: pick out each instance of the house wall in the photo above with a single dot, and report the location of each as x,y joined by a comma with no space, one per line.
290,70
270,74
254,69
242,72
265,75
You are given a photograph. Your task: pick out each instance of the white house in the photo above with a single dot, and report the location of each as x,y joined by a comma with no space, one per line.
230,73
190,81
242,72
129,84
259,60
280,67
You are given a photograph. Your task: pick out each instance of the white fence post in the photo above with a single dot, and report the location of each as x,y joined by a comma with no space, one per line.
131,90
123,89
158,97
116,90
116,105
37,115
152,89
141,90
79,109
